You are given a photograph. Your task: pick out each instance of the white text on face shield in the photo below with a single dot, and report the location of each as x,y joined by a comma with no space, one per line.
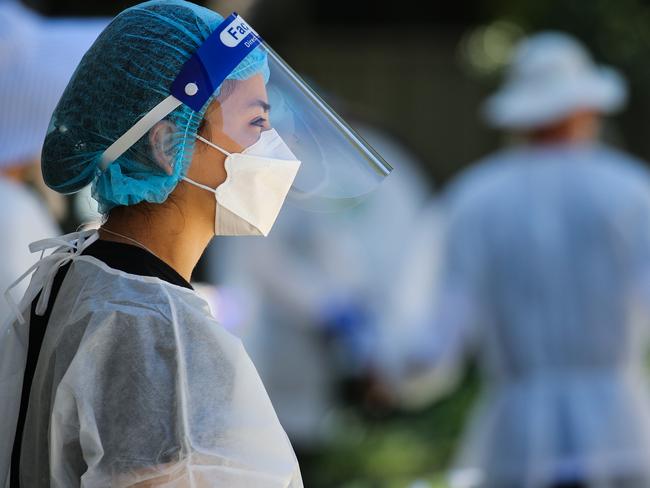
235,32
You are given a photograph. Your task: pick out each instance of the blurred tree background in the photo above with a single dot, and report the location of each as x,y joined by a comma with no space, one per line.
420,72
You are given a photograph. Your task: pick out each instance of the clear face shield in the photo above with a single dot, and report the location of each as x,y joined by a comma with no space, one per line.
338,168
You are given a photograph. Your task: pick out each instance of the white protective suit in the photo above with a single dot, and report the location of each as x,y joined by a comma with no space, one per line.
546,268
135,381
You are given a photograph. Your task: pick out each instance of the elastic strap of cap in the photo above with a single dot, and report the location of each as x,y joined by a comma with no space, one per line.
141,127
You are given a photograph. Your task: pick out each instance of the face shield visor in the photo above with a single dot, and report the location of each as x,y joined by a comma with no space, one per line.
338,168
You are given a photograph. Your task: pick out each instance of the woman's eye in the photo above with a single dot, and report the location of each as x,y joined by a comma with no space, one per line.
259,122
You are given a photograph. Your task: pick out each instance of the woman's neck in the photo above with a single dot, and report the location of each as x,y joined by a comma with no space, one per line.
161,229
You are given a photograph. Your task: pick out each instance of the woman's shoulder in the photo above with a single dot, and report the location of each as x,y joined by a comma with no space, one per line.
118,302
137,322
97,280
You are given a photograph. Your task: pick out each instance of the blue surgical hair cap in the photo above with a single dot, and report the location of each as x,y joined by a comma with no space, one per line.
128,71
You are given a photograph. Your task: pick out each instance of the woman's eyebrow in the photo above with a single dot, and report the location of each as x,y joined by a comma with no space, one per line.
260,103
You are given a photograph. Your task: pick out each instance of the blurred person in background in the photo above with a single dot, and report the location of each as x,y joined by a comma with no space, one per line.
307,300
405,313
545,277
37,58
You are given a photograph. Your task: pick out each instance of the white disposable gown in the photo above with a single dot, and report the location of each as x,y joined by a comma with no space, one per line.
136,385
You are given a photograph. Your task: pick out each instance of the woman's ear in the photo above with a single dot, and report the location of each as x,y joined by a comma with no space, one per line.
161,141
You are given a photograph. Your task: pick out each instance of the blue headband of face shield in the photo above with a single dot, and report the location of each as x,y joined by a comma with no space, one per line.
197,81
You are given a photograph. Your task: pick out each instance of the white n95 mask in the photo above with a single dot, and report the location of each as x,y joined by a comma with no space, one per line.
257,182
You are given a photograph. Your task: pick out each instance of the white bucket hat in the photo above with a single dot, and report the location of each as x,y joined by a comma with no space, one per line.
552,75
37,58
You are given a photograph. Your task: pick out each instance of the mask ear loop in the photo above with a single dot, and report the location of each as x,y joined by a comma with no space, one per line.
212,144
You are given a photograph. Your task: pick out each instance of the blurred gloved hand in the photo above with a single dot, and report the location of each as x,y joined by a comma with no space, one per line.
348,323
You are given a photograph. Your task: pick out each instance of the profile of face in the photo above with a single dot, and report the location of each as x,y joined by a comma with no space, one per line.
234,121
